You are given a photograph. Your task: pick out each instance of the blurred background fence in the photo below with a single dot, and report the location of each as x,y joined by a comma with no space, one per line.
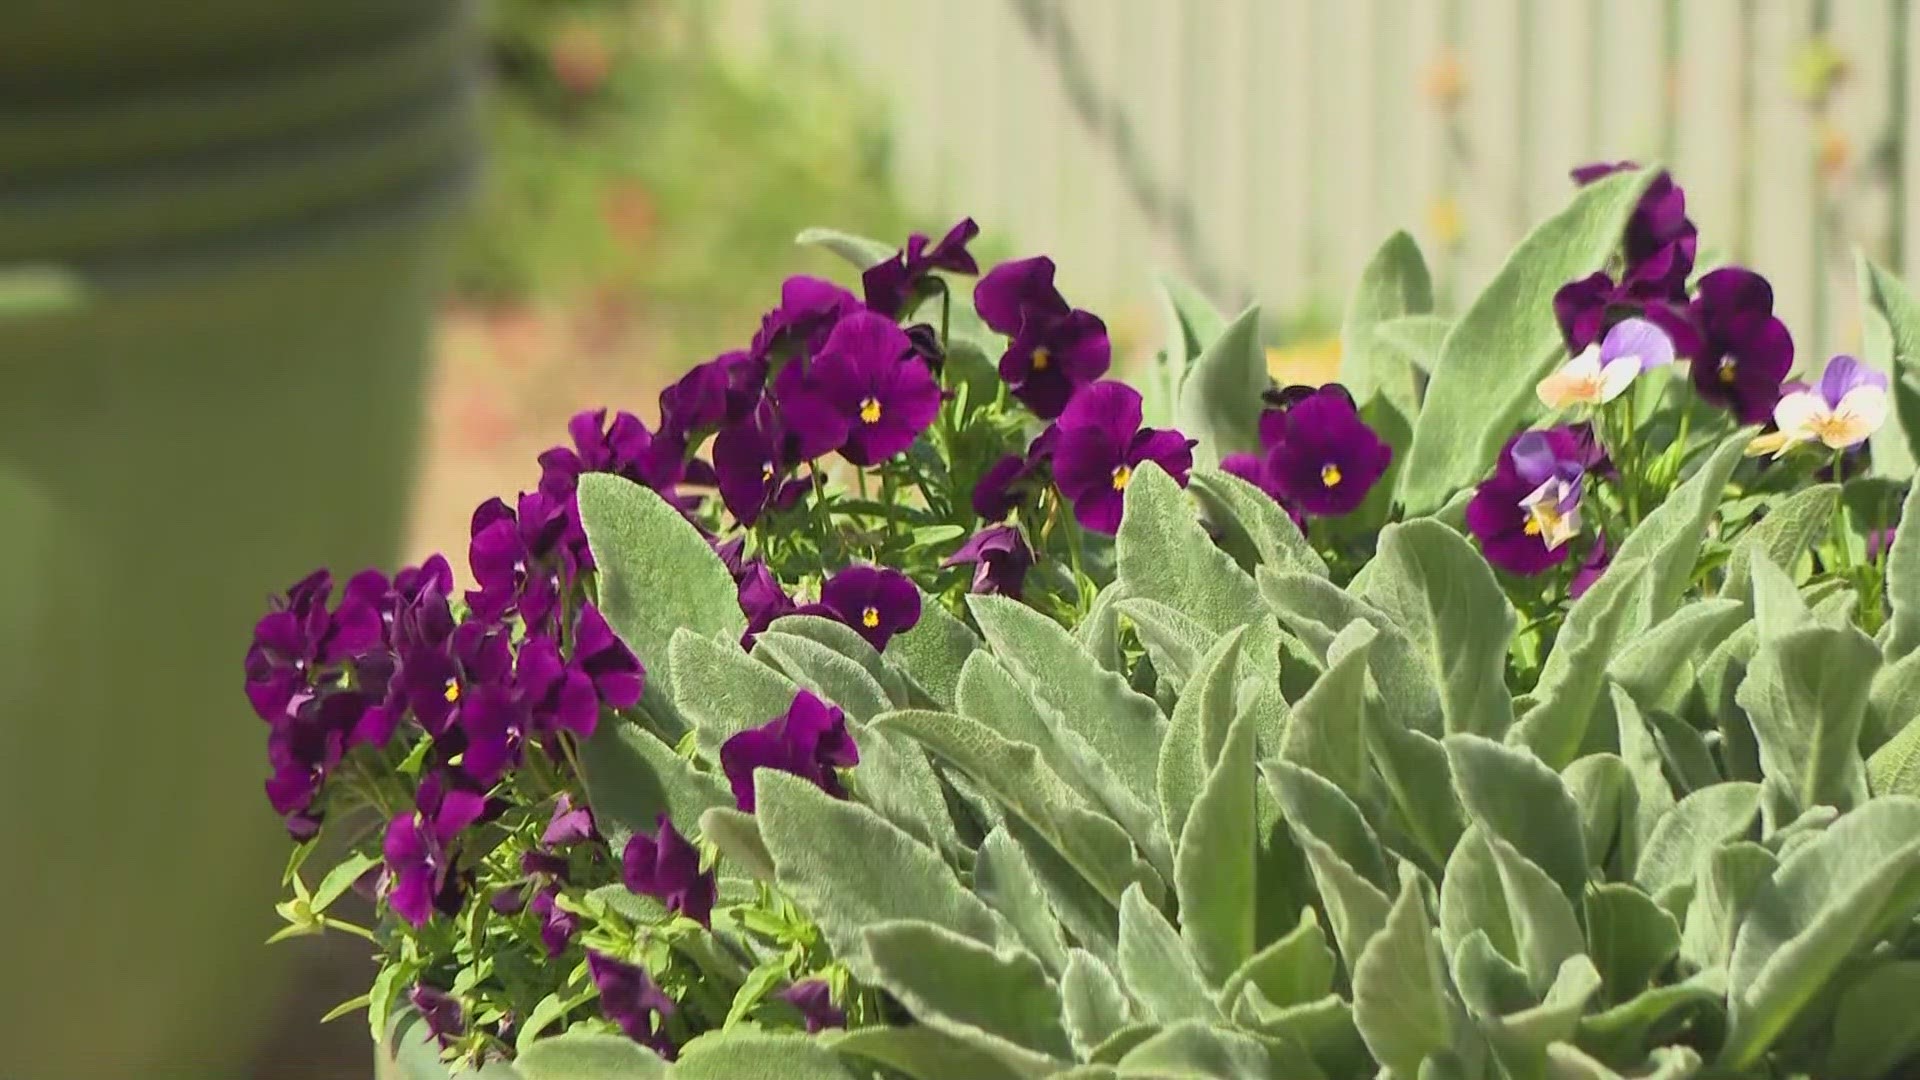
1262,148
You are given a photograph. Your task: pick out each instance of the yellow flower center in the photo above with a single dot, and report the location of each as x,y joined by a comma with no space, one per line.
1330,475
1532,527
870,618
452,692
1041,358
1728,372
870,411
1121,475
766,471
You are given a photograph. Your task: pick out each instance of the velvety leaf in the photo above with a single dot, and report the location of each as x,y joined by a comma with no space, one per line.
989,695
1356,907
1893,701
632,778
1295,970
1121,1043
1236,505
1903,559
930,655
722,690
1022,783
1312,805
1175,642
1831,899
1156,968
842,639
895,778
1323,1028
1206,705
1395,283
1123,726
1640,752
1431,581
1875,1026
1568,1062
1520,1039
1806,695
1732,877
1400,1000
1219,401
1894,769
1420,781
755,1055
1505,343
1317,610
1623,1031
1610,819
1328,735
850,869
957,985
825,672
1099,632
924,1053
1792,526
1473,899
1572,684
1489,984
1891,320
1630,938
1670,536
1162,553
1517,798
1415,338
1193,323
860,252
1004,878
1684,838
1214,863
1196,1050
1094,1005
737,835
580,1055
1545,925
656,573
1649,666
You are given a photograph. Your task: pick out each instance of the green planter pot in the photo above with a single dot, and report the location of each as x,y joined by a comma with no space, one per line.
234,400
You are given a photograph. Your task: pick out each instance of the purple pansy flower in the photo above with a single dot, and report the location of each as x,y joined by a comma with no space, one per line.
666,867
1324,458
559,696
1000,557
569,824
625,448
753,460
440,1011
1849,405
997,493
761,599
877,602
557,924
522,557
868,375
631,1000
1099,446
721,391
1053,349
1744,352
813,1000
890,284
1661,240
437,674
406,592
1597,559
303,746
417,847
302,635
616,673
1526,512
809,741
809,309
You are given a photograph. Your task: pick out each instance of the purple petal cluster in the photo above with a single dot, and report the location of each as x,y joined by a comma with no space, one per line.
666,867
1318,458
891,286
1053,348
809,741
809,310
418,848
1000,557
1742,352
724,390
1100,444
866,381
440,1011
874,601
1537,478
525,557
1660,245
813,1000
631,1000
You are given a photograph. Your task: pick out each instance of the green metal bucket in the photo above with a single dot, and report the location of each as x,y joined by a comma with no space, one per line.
234,399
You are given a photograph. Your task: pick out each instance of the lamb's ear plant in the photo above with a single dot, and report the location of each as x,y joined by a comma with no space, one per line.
1521,715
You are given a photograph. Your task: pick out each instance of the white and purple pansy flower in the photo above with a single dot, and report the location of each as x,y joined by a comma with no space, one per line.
1605,369
1849,404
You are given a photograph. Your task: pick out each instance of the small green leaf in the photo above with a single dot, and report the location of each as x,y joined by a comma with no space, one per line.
1295,970
1545,927
1164,554
1572,684
1400,999
967,989
1806,696
1094,1005
1206,705
339,880
346,1008
744,1055
581,1055
1891,320
1684,838
1004,878
924,1053
1317,610
1893,701
1641,754
1214,862
1903,558
1789,529
1219,402
1237,506
1894,769
1473,900
1518,799
1312,806
1729,881
1630,937
737,835
1356,908
1197,1050
1650,666
1156,967
1324,736
722,690
1420,781
842,639
859,251
1394,284
632,778
1174,642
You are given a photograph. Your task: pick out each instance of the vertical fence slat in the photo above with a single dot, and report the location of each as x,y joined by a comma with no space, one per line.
1782,167
1490,176
1341,154
1281,187
1854,161
1564,83
1707,160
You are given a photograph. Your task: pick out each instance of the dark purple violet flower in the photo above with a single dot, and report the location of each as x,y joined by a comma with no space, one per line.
569,824
926,345
761,599
721,391
626,448
1744,352
406,592
1053,349
1880,542
1324,458
1000,557
548,864
809,741
440,1011
754,460
998,494
868,374
303,747
877,602
813,1000
417,846
557,696
557,924
1661,241
496,723
890,285
666,867
615,672
1099,446
1526,512
1597,559
522,558
630,999
301,636
809,309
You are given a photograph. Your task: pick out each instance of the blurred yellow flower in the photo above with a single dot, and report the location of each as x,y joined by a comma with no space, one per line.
1309,362
1446,81
1443,220
1836,151
1818,67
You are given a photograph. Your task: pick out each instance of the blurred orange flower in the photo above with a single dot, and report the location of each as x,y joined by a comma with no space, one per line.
1446,81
